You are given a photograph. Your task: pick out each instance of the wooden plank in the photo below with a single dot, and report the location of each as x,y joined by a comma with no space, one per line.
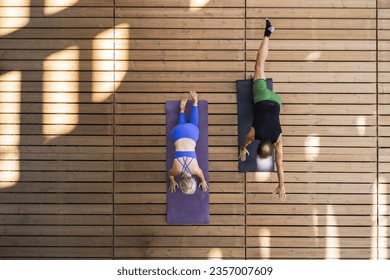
331,120
326,88
329,109
315,177
183,241
55,209
318,45
84,3
55,198
57,108
316,34
310,55
309,242
309,231
73,220
87,130
54,33
311,253
315,23
68,11
69,140
36,118
180,3
226,66
383,4
177,253
292,97
314,198
56,230
63,241
55,176
312,210
329,187
201,34
184,55
173,12
60,165
326,220
99,22
56,252
204,23
62,187
311,12
315,4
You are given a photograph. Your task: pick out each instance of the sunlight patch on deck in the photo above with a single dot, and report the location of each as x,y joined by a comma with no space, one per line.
55,6
14,15
60,97
10,133
196,5
110,61
215,253
265,243
312,146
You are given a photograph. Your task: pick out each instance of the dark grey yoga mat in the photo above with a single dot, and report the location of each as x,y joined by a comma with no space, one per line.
184,209
245,110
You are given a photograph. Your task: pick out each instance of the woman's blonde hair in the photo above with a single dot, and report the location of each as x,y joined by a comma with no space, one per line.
187,184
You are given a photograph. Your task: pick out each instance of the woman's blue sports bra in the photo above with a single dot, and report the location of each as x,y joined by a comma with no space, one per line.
185,130
187,157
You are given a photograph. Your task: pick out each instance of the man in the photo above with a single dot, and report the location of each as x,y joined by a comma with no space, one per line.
266,124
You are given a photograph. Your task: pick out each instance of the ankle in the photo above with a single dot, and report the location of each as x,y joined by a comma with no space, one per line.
268,28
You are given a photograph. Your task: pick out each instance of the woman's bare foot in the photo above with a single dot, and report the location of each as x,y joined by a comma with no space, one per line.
194,96
183,103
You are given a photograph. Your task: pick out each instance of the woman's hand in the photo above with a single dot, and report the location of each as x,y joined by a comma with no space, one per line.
172,186
243,153
203,185
281,191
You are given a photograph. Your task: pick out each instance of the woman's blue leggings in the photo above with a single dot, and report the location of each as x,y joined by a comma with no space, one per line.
194,116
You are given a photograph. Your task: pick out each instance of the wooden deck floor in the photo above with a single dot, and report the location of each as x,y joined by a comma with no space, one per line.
82,128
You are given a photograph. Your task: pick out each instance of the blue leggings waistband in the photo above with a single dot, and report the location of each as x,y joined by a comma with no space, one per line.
190,154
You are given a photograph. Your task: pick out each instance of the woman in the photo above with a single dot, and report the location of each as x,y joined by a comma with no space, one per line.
266,124
185,135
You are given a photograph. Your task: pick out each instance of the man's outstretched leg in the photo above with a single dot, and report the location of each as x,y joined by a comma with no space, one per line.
262,53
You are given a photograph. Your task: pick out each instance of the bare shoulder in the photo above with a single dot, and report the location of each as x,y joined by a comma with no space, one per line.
195,168
279,142
175,168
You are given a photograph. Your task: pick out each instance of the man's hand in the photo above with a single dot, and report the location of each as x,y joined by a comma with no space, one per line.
243,153
281,191
204,186
172,186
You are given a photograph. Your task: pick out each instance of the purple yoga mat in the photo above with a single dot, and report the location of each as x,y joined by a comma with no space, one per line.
184,209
